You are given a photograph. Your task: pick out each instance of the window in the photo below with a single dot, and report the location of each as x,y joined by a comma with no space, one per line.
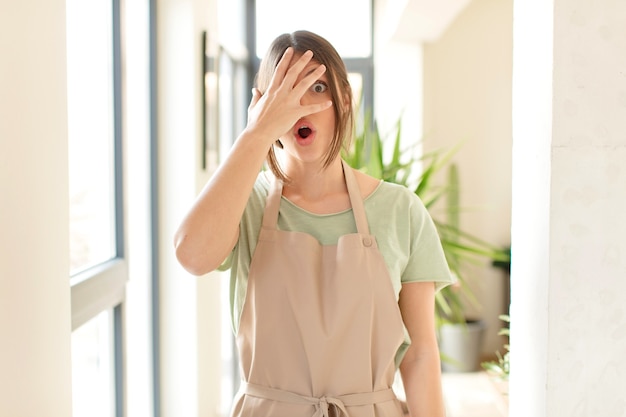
93,372
328,18
98,269
91,133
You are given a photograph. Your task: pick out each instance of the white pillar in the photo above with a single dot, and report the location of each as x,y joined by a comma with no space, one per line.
35,330
568,328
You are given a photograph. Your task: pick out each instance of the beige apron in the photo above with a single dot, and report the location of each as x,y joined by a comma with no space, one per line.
320,325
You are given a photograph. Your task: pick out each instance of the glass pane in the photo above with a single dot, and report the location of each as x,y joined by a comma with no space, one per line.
346,24
356,82
91,137
93,392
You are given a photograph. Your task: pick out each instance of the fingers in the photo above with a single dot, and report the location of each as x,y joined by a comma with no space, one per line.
281,69
286,75
256,96
316,108
294,71
309,80
276,110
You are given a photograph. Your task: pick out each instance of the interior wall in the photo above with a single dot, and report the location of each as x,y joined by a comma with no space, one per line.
35,363
467,98
189,306
568,328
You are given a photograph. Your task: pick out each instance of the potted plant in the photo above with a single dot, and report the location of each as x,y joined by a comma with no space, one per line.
499,368
367,153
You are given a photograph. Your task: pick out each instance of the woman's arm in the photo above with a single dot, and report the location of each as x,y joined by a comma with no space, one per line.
209,231
421,369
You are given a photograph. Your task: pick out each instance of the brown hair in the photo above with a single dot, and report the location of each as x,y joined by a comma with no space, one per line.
341,93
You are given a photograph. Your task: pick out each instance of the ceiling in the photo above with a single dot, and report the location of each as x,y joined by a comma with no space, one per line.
418,20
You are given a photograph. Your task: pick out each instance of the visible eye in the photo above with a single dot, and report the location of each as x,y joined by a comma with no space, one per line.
319,87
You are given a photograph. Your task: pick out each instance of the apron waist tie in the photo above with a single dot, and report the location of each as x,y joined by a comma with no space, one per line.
321,404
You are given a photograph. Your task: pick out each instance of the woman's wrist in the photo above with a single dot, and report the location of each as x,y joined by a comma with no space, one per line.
258,135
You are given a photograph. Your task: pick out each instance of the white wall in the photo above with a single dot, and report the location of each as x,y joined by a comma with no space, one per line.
467,98
35,366
189,306
569,256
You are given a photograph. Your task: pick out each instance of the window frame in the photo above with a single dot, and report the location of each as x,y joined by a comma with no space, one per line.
102,287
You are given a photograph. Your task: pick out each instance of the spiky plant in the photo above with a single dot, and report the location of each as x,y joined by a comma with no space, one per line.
367,153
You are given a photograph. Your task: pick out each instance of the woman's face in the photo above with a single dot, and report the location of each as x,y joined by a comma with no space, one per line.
311,136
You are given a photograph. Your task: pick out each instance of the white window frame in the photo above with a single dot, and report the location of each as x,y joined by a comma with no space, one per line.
102,287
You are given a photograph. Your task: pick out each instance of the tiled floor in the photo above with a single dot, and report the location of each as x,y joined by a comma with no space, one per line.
473,394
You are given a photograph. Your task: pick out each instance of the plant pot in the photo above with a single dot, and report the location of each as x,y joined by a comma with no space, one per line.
460,346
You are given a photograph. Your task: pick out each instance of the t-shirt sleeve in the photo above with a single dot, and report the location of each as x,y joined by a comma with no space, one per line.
249,226
228,262
427,261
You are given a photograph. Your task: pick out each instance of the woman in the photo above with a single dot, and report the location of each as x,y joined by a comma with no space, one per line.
333,272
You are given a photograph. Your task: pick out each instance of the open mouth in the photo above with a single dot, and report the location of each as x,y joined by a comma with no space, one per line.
304,132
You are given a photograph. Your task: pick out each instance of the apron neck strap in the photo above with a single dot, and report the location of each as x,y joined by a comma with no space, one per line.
272,203
358,209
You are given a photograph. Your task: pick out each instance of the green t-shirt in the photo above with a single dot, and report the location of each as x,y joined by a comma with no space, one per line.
405,233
